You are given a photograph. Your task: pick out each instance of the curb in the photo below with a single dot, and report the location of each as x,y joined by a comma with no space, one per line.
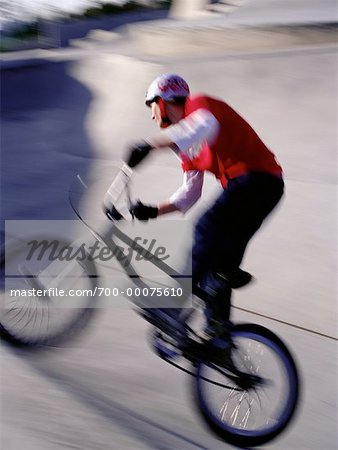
178,39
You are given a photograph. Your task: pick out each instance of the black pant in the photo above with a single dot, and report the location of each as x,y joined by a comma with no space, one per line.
223,232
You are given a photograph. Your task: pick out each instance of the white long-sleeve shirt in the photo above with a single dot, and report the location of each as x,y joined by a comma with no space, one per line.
189,135
190,191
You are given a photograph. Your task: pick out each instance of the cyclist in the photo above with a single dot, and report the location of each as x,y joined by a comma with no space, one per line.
208,135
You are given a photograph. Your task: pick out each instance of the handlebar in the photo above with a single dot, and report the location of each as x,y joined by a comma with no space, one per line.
115,190
117,193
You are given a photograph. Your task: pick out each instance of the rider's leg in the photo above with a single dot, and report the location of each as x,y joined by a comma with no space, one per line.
216,294
205,283
223,232
252,198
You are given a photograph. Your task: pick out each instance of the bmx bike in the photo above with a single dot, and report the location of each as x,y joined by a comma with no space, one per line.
245,381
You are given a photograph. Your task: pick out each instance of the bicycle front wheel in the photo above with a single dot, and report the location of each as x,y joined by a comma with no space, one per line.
251,413
36,306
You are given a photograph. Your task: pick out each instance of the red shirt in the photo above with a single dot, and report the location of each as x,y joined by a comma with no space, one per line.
237,148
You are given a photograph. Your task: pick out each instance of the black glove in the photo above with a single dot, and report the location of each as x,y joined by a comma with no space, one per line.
112,213
137,153
144,212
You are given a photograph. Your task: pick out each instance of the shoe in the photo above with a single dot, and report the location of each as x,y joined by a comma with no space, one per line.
236,279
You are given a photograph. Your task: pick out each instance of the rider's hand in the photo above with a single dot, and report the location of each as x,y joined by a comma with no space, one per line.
112,213
144,212
137,153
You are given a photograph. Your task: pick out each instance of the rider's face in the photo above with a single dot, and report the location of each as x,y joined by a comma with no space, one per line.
156,114
174,113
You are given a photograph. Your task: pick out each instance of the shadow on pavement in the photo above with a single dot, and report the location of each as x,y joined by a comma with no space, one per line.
146,430
43,141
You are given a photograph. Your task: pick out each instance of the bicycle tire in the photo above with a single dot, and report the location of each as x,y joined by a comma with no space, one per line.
27,336
243,431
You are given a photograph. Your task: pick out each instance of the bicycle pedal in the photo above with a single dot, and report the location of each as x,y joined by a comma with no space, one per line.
216,329
220,356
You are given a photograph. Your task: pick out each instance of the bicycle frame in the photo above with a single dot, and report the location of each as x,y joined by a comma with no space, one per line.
195,346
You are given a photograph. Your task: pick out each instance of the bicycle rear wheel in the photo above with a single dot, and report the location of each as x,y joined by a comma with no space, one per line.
31,320
250,414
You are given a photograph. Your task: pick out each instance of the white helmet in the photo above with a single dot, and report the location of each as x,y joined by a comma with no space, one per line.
167,86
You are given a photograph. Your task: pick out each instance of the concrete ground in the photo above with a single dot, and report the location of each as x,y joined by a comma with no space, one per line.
106,389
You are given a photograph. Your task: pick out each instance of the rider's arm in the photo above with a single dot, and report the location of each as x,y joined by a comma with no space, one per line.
186,196
190,132
199,126
166,208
